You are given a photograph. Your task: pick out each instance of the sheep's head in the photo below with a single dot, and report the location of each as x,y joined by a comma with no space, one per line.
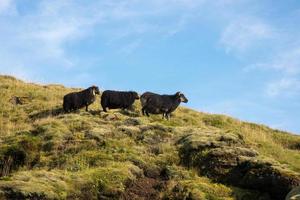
181,97
95,90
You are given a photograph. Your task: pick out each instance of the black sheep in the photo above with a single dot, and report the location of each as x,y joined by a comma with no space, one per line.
77,100
118,99
145,97
161,104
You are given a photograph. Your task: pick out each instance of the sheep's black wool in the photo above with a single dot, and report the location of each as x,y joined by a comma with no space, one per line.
77,100
118,99
161,104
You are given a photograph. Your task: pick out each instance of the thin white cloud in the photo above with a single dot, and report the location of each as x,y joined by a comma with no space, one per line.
285,61
269,48
5,5
242,34
131,47
288,61
288,87
286,64
179,25
56,23
40,36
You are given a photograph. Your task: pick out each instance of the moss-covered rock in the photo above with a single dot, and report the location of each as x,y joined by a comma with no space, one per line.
35,185
23,151
223,157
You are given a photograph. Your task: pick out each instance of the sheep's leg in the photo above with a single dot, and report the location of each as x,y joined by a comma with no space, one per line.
104,109
129,108
143,111
66,109
168,115
86,108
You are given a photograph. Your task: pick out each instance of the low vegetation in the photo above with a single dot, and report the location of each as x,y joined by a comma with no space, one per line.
47,154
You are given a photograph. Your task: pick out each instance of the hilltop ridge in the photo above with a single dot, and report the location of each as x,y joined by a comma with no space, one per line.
48,154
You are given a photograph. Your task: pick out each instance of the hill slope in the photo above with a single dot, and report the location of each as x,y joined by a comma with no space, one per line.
46,154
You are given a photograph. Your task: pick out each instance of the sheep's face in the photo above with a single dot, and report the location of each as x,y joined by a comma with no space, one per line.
95,90
181,97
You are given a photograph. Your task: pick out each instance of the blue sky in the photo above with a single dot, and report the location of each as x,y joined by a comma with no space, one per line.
236,57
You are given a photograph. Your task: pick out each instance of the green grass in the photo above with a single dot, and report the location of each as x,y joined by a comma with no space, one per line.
92,154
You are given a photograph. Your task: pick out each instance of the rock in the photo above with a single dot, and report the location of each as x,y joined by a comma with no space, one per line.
97,137
110,117
132,122
131,131
223,157
18,100
155,134
130,112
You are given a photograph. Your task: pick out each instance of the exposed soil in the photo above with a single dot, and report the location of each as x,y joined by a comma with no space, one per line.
144,189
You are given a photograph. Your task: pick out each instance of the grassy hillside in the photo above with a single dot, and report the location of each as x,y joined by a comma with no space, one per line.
46,154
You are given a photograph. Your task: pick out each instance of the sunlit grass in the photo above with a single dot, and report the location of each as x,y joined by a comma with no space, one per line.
100,152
